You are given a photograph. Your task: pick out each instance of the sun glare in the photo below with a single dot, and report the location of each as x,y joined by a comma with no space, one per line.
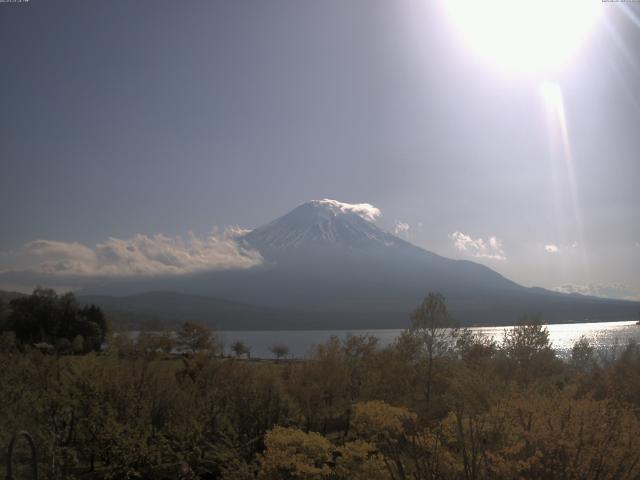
526,36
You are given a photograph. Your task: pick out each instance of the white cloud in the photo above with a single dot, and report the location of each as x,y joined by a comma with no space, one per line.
464,242
401,228
141,255
365,210
478,247
551,248
604,290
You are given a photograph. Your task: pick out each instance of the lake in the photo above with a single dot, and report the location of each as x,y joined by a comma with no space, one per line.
602,335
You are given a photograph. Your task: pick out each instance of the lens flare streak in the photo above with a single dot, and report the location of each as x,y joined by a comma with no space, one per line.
558,128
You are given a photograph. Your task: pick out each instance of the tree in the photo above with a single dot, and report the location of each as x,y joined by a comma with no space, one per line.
280,351
4,313
381,423
92,325
407,450
45,316
151,343
436,330
528,349
582,353
33,318
474,347
7,342
77,345
360,460
550,435
529,338
64,346
240,348
194,337
293,454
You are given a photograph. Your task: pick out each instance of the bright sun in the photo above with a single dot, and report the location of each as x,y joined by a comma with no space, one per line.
526,36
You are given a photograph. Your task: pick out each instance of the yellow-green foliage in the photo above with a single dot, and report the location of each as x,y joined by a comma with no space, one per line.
379,422
353,410
359,460
293,454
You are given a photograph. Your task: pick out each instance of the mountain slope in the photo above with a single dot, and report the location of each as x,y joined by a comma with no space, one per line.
327,265
163,309
7,296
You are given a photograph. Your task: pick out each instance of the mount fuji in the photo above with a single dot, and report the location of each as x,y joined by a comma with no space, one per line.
327,265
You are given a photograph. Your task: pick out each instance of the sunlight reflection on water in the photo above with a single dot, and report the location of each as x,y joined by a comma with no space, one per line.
602,335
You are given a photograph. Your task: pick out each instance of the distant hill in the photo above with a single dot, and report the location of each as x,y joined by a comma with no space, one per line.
161,310
327,265
6,297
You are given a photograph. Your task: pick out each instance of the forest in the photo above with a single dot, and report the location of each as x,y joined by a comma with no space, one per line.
439,403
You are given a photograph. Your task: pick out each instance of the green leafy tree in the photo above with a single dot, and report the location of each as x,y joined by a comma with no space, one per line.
92,324
45,316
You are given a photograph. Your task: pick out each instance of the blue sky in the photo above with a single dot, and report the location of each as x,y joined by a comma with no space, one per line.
143,118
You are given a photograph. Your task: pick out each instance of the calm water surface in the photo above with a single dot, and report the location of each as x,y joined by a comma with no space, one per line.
603,335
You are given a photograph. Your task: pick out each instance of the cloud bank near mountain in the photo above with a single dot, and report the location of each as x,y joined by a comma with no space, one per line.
401,228
604,290
365,210
140,256
477,247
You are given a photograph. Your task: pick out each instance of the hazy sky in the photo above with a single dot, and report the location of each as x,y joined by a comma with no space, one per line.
120,118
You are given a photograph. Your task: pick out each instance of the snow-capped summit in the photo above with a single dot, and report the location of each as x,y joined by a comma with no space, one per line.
322,222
